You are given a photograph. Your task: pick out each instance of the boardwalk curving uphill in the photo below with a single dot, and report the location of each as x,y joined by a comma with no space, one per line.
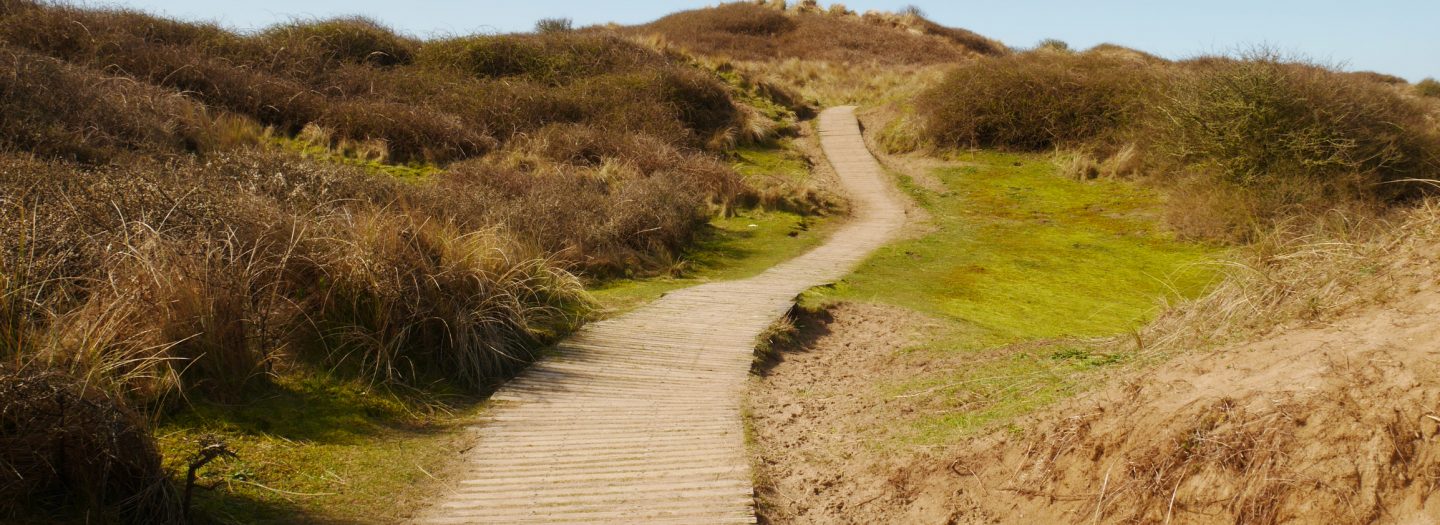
637,419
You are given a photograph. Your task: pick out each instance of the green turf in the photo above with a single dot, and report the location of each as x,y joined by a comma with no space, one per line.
780,162
316,448
1016,253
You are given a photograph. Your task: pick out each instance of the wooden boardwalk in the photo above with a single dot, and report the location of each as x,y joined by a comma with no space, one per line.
637,419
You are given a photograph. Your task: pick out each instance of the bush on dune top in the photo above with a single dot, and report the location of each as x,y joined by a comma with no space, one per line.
1037,101
1263,117
1239,142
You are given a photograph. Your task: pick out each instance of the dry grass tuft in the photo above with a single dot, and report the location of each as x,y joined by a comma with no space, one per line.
62,441
1324,418
54,109
317,46
1306,269
405,298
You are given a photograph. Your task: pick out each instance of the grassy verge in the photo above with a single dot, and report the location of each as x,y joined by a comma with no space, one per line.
1021,266
776,163
315,448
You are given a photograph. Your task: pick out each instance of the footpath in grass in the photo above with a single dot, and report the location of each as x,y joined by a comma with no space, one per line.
1021,266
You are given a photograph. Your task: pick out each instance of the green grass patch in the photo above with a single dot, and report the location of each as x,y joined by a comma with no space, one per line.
779,162
315,448
735,247
412,171
1020,264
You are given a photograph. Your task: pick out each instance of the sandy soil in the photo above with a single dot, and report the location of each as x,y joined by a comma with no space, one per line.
1332,422
815,415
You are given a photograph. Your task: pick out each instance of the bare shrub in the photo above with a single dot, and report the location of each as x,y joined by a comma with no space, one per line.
1238,142
1262,117
554,25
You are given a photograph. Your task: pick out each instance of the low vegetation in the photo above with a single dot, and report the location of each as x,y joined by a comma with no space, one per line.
1239,143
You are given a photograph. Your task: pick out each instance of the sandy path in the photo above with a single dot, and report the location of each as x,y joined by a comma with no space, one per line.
637,419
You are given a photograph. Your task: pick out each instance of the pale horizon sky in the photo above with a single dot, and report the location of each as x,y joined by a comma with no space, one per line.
1400,37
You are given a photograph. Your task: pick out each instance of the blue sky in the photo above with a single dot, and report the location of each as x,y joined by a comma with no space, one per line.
1400,37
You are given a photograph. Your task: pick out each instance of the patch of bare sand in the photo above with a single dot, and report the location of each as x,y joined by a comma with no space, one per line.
814,414
1333,422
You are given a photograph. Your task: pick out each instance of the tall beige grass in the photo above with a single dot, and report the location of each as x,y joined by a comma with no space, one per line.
408,297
